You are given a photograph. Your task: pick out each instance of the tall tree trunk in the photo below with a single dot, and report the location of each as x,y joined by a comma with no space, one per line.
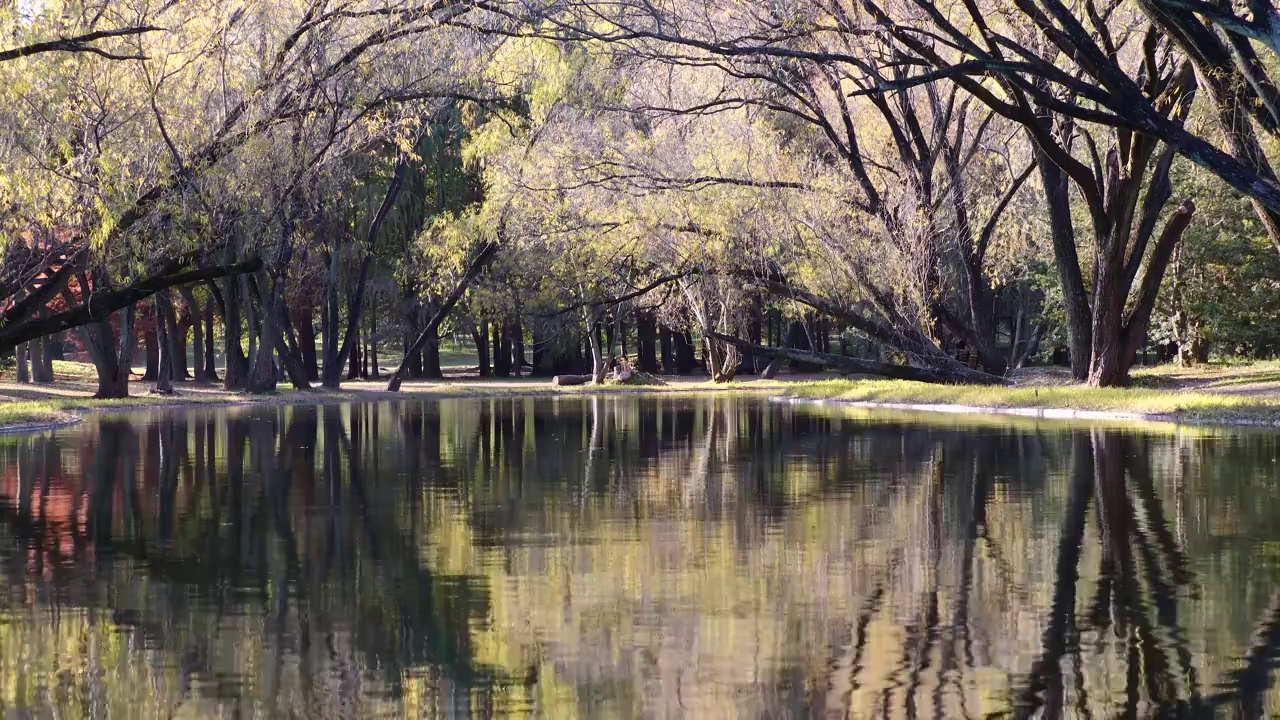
41,366
518,361
111,359
501,355
1062,232
210,356
23,373
373,341
181,371
668,352
1107,367
684,354
198,372
165,326
599,362
331,362
646,335
253,325
151,348
262,370
431,359
236,365
304,321
480,335
353,355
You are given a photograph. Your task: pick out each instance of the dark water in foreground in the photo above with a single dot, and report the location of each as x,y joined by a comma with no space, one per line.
624,557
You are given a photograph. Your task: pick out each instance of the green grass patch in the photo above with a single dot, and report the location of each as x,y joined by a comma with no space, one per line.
1146,401
18,415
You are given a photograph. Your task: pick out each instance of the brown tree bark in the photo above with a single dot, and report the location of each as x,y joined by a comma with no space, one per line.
198,372
210,356
23,372
480,336
165,325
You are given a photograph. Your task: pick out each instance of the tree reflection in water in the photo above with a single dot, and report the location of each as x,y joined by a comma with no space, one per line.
618,557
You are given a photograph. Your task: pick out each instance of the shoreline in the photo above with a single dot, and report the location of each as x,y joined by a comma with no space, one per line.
62,412
30,409
1038,413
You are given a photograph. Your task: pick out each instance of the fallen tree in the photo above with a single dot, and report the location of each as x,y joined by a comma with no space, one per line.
957,375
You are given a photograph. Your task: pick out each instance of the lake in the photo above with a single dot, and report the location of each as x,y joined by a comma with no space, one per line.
628,557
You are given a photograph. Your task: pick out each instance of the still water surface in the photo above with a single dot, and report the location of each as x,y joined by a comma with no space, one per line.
620,557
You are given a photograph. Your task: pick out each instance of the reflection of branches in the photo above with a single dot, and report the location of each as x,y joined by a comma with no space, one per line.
1243,689
1044,684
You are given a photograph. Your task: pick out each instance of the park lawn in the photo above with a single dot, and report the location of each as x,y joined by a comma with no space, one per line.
1186,405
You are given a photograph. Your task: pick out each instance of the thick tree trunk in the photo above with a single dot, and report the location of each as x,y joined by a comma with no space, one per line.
41,367
1107,367
646,336
501,355
236,365
1062,233
668,352
165,326
684,354
23,373
480,336
111,359
431,359
262,371
518,362
353,355
304,321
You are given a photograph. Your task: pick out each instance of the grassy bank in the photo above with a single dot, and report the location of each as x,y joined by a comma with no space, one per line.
1162,403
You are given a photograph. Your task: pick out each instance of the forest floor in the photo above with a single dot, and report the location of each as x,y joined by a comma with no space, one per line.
1247,393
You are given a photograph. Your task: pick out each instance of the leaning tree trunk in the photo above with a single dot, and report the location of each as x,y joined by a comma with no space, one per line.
486,253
